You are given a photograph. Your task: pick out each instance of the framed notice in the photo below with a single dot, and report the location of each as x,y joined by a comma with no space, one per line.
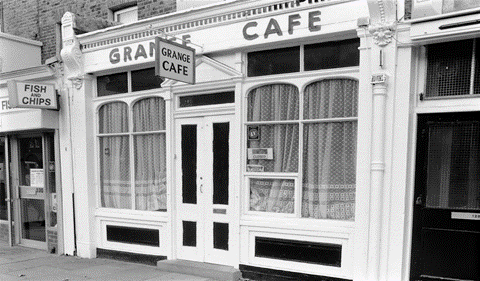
37,177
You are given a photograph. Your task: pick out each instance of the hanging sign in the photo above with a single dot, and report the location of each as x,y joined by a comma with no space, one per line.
32,95
174,61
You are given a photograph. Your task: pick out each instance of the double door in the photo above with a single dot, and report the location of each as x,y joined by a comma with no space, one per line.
204,213
446,219
29,185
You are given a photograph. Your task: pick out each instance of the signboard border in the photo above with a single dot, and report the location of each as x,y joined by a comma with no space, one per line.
12,86
157,57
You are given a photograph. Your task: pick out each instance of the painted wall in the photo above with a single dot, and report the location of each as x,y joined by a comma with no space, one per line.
17,52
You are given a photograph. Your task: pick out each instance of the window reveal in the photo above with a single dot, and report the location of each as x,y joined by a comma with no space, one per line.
328,146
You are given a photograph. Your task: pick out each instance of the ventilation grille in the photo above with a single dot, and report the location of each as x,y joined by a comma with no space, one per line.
299,251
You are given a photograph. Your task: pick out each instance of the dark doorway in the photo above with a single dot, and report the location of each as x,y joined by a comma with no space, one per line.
446,216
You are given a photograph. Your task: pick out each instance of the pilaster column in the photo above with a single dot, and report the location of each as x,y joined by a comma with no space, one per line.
79,140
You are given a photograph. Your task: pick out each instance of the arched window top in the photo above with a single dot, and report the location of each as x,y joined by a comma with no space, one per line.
149,115
331,98
113,118
273,102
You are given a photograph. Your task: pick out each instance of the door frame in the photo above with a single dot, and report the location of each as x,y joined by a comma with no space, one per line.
202,253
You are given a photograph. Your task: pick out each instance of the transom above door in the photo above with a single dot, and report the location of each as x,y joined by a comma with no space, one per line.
204,212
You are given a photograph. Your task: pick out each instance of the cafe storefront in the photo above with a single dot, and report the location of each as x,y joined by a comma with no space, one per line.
250,157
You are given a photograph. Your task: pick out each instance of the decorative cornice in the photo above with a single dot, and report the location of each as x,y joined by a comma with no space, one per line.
202,22
382,21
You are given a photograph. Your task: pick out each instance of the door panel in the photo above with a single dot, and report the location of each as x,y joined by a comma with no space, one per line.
204,214
189,211
446,227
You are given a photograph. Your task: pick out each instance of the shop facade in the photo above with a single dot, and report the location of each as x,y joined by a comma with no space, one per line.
296,150
29,152
445,189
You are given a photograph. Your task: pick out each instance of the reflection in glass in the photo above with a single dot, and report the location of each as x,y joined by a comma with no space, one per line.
33,219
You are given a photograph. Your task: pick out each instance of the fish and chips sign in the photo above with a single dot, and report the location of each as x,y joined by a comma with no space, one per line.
32,95
174,61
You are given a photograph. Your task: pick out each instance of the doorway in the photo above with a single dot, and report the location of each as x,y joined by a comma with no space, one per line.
204,213
446,213
31,174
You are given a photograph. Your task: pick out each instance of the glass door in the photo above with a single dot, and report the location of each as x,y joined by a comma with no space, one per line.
5,197
30,188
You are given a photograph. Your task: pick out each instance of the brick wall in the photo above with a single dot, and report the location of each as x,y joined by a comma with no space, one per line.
37,19
3,232
52,242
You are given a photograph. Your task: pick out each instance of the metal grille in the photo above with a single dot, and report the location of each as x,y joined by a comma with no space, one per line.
453,167
449,68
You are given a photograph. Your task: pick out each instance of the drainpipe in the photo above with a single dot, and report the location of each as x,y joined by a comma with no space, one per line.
377,173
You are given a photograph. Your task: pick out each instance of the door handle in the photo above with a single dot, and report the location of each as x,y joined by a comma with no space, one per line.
419,200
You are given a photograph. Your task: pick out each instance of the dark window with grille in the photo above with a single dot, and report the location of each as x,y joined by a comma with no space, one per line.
1,17
453,69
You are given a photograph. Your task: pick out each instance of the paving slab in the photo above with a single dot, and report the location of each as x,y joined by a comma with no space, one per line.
25,264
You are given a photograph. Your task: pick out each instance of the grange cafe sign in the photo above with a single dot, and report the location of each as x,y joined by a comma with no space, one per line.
32,95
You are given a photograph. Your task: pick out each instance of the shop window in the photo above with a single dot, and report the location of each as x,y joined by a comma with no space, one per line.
327,146
145,79
276,61
332,54
124,82
150,154
329,149
325,55
207,99
144,173
112,84
114,156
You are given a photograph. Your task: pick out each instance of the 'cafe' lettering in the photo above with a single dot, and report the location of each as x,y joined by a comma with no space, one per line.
250,30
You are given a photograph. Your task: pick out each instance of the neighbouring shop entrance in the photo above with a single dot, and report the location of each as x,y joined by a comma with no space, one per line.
204,213
29,187
446,226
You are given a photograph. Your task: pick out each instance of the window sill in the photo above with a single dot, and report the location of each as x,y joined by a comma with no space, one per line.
297,223
132,215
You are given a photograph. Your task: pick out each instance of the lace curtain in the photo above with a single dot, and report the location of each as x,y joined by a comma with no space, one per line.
114,156
275,103
329,150
150,155
149,148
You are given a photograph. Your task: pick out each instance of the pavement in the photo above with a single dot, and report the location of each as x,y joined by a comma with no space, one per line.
19,263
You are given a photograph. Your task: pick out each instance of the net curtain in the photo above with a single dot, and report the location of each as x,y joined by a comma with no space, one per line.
114,156
149,155
329,150
274,103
